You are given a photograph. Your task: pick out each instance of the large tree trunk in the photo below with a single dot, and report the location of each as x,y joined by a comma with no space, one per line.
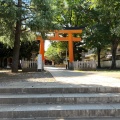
17,41
98,53
113,49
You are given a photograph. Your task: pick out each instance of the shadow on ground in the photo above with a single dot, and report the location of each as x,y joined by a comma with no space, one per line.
43,79
7,76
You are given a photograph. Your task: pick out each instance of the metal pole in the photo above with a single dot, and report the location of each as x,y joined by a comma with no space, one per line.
66,59
66,55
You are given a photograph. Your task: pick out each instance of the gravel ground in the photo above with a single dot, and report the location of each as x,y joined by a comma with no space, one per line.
44,76
7,76
114,74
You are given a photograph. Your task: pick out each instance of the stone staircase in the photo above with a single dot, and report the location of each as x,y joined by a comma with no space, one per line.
53,103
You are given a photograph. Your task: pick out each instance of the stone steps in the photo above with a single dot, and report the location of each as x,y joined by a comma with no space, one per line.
83,103
53,89
70,98
59,110
101,118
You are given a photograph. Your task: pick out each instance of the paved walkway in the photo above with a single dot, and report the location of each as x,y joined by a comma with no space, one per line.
86,78
60,78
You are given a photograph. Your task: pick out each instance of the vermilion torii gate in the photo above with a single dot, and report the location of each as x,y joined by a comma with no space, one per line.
57,37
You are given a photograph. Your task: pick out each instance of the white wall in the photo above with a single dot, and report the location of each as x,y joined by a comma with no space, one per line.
108,63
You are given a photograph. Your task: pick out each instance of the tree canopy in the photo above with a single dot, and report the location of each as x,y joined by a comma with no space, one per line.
18,17
22,20
52,54
103,28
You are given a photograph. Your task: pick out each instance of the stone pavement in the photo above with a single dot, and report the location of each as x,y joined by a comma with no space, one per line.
81,79
60,78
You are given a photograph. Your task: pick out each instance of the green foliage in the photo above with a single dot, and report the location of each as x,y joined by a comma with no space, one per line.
97,36
5,51
37,16
62,46
43,20
100,17
109,20
57,51
52,55
27,48
110,14
70,12
18,17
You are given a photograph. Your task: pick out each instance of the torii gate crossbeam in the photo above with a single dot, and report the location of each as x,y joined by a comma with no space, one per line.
69,38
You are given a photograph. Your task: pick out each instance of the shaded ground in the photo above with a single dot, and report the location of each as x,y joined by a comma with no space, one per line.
45,76
7,76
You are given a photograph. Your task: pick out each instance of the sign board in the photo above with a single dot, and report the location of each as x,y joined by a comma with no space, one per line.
39,62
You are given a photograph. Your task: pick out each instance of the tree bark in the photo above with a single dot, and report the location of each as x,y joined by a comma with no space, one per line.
113,49
98,53
17,41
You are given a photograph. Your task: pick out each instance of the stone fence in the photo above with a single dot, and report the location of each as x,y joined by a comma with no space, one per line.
85,65
107,64
91,65
28,65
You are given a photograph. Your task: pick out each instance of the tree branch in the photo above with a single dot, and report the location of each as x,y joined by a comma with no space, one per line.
25,18
23,30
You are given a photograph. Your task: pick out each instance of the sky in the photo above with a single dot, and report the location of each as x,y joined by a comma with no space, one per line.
47,44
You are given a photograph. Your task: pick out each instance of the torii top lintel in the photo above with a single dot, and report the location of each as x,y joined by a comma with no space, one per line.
57,37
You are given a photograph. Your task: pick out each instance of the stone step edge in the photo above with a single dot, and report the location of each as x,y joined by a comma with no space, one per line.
69,112
61,90
59,99
34,107
84,118
59,95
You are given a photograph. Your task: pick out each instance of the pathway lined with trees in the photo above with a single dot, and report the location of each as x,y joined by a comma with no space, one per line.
21,20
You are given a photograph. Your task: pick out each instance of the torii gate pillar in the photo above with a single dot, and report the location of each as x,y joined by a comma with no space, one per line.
41,50
71,56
